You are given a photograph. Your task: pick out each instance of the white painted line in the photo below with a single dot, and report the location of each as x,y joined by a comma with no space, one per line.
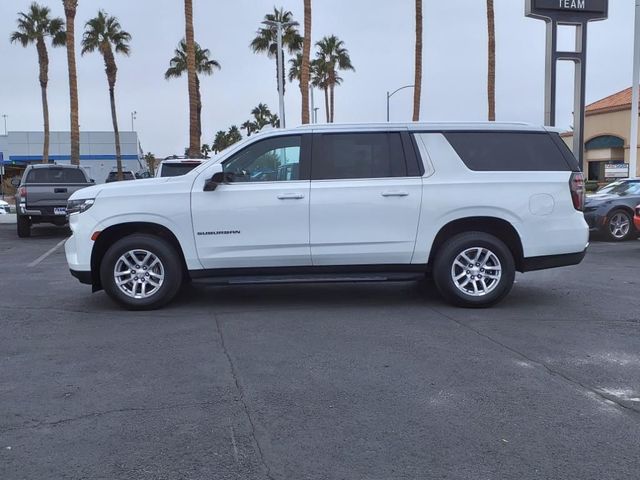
43,257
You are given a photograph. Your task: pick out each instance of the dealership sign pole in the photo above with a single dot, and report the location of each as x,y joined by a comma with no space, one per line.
577,13
635,97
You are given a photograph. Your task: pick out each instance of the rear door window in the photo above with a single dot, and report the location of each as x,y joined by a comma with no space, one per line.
358,155
56,175
508,151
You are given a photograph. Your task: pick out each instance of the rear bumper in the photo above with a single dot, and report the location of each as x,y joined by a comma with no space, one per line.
83,277
533,264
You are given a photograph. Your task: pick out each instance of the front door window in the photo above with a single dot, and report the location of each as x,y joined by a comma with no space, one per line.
270,160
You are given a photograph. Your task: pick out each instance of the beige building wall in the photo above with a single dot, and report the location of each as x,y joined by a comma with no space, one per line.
617,124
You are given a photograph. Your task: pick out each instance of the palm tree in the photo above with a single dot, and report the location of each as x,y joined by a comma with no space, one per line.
204,66
333,57
150,160
233,135
417,90
250,127
104,33
194,131
263,117
34,27
305,63
205,150
219,142
70,7
491,71
266,38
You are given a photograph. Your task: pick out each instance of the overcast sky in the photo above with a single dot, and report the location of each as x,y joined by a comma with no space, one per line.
378,33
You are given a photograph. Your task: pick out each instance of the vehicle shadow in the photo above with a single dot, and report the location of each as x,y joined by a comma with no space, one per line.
49,231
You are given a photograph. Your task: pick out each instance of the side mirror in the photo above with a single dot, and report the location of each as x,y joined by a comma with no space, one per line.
92,181
15,182
213,182
216,179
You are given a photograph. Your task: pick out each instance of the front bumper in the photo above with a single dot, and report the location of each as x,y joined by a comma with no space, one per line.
83,277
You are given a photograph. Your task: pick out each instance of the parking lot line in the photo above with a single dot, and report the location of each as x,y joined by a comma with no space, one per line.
41,258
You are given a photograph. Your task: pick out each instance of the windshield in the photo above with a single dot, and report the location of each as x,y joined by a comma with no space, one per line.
621,188
177,169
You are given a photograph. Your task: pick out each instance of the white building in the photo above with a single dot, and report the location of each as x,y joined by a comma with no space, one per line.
97,151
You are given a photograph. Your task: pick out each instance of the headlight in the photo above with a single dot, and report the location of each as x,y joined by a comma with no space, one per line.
79,206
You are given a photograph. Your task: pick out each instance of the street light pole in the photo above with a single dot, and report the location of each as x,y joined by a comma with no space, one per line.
635,98
283,122
5,124
389,95
279,25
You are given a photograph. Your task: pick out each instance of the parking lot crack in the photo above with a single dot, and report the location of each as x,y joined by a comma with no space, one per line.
242,399
39,424
549,369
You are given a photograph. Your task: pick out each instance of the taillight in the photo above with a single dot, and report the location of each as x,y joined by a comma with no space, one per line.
576,185
23,192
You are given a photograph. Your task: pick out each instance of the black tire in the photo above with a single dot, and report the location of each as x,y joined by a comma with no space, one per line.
169,261
612,233
454,247
24,226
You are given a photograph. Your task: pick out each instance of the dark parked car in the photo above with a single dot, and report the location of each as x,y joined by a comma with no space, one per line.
126,175
611,210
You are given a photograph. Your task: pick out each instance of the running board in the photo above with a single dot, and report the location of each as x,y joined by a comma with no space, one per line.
311,278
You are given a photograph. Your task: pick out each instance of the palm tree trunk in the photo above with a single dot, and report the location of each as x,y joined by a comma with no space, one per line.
332,86
326,104
43,60
199,107
70,7
47,134
417,91
306,53
194,134
491,70
116,132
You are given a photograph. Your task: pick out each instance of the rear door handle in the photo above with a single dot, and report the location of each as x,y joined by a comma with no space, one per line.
60,190
290,196
395,194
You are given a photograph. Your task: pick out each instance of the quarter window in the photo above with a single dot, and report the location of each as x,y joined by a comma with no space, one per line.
508,151
358,155
270,160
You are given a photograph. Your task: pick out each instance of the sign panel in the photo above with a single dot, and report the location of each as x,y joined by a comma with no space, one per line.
616,170
568,10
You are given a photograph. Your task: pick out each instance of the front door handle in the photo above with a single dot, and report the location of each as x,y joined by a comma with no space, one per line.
290,196
60,190
395,194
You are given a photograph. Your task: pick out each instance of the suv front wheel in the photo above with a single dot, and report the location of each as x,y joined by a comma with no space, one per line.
141,272
474,269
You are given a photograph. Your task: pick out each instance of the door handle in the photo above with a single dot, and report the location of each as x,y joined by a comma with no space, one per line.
60,190
395,194
290,196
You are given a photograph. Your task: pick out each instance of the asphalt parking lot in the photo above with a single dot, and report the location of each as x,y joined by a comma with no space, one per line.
375,381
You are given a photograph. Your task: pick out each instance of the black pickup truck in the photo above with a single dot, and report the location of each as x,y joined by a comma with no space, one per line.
43,193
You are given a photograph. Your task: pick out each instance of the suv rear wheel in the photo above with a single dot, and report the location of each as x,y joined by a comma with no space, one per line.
24,226
141,272
474,269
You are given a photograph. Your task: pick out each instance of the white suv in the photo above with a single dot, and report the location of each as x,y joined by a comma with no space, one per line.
469,204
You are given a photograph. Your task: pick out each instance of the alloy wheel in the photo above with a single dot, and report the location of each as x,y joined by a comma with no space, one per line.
139,274
476,271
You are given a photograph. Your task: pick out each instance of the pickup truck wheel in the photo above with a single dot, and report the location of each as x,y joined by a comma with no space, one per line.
141,272
24,226
474,270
